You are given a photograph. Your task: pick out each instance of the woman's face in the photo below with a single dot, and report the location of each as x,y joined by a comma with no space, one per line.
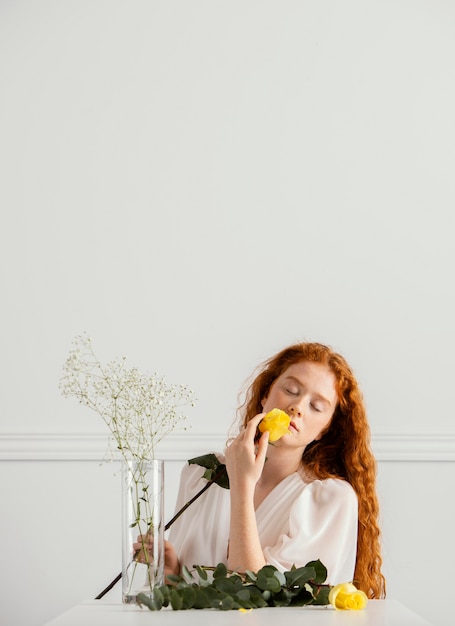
306,391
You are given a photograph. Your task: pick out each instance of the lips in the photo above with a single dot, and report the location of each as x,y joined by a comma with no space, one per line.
294,427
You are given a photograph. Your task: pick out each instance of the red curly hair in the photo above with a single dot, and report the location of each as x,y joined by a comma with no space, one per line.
343,451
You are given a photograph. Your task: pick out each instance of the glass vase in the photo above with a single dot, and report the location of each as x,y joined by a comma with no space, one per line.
143,524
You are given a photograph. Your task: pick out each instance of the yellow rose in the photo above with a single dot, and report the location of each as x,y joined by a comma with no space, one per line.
347,597
276,422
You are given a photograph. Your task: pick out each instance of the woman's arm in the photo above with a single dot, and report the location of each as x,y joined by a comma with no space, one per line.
244,462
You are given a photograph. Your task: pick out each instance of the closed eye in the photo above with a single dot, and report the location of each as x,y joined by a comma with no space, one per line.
316,408
292,392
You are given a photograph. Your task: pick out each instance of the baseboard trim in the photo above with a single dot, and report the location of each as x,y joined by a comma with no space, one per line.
180,447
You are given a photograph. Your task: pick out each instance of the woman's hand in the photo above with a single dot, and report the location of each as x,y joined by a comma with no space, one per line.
143,553
245,457
171,560
245,460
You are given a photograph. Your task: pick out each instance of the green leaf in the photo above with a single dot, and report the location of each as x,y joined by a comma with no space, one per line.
281,578
215,470
215,602
210,461
244,599
187,575
237,580
302,598
227,603
300,576
243,594
176,600
267,579
259,602
188,597
256,596
142,598
156,600
174,578
212,594
266,596
220,571
202,600
321,571
321,595
282,598
202,572
223,479
208,474
273,584
165,592
226,585
251,576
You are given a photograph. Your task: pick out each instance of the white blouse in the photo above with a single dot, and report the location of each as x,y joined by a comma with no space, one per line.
297,522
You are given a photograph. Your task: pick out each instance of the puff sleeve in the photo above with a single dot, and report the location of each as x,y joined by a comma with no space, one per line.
322,524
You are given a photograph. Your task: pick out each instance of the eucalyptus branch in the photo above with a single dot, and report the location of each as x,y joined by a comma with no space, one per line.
227,590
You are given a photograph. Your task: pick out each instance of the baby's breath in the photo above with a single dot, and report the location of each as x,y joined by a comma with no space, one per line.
139,409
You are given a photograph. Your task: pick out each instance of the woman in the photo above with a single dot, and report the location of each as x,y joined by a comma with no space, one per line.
310,495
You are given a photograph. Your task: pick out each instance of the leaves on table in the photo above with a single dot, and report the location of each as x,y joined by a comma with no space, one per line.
218,588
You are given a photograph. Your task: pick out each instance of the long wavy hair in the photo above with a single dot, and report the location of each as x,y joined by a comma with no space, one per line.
343,451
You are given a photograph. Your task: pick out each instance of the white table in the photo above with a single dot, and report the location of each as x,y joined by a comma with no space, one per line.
109,613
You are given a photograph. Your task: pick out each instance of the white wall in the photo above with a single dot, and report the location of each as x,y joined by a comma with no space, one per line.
60,526
197,184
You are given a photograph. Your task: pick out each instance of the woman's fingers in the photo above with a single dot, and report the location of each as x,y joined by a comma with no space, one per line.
250,430
261,451
142,549
249,435
143,541
245,456
254,422
143,553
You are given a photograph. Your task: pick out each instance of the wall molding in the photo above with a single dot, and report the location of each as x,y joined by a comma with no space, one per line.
180,447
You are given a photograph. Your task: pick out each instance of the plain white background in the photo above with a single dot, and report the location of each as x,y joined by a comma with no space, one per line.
197,184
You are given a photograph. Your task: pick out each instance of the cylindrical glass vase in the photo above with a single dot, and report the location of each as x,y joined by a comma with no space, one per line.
143,524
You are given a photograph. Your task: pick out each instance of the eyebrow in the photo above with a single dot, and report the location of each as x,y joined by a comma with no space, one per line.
316,395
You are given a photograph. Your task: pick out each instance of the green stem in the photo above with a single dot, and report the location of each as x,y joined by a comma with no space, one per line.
199,493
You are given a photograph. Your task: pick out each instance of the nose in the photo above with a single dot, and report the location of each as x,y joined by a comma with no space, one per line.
295,410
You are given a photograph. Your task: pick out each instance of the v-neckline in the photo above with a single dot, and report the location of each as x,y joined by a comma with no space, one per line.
285,480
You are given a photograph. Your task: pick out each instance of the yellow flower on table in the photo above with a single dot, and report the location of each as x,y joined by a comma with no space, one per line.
346,596
276,422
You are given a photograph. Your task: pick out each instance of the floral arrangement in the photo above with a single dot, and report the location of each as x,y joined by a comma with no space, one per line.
139,409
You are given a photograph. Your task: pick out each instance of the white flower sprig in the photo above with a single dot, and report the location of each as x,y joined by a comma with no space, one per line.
139,409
